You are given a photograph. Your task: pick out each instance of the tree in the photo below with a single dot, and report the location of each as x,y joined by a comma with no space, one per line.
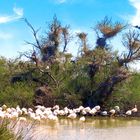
94,75
103,58
45,50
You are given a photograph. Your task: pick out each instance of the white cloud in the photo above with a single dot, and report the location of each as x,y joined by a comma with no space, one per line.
135,20
18,13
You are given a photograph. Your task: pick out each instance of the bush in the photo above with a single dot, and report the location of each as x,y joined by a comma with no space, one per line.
5,133
18,94
127,94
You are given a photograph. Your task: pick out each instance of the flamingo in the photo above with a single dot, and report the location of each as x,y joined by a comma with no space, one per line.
97,107
129,112
82,119
93,111
72,115
112,112
104,113
135,109
117,108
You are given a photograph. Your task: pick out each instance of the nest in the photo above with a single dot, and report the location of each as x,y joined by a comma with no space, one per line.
82,35
110,31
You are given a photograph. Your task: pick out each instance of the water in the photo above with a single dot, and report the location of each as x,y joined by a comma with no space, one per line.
91,129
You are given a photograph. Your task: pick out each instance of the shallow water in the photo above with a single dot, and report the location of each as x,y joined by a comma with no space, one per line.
91,129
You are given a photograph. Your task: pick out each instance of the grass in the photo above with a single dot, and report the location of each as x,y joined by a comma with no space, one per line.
5,132
15,130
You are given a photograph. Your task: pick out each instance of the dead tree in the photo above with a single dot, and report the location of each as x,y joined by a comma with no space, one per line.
131,42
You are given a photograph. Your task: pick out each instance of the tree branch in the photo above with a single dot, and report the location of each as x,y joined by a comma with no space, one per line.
34,34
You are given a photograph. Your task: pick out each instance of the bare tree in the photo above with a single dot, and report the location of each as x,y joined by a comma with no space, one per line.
131,42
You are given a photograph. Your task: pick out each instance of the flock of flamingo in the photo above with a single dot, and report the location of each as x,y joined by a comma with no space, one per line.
53,113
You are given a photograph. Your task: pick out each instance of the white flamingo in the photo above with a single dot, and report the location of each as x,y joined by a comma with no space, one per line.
82,119
72,115
135,109
112,112
129,112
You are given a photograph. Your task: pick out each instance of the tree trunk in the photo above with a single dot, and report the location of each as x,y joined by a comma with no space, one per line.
105,89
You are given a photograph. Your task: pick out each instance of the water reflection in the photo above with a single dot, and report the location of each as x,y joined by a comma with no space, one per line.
91,129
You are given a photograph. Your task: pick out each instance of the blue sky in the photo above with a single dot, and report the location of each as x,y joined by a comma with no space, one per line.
81,15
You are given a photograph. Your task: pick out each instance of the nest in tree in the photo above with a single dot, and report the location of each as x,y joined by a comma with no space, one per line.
82,35
109,31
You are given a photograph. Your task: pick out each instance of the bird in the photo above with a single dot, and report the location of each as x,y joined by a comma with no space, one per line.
52,117
24,111
81,108
14,114
66,110
97,107
112,112
135,109
82,119
129,112
104,113
56,107
87,109
117,108
93,111
4,107
2,115
61,112
72,115
83,112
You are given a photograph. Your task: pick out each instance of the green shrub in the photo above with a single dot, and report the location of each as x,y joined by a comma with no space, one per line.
18,94
5,133
127,94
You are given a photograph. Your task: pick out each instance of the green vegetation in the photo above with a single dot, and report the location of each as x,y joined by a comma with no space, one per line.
19,94
6,133
98,75
126,94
